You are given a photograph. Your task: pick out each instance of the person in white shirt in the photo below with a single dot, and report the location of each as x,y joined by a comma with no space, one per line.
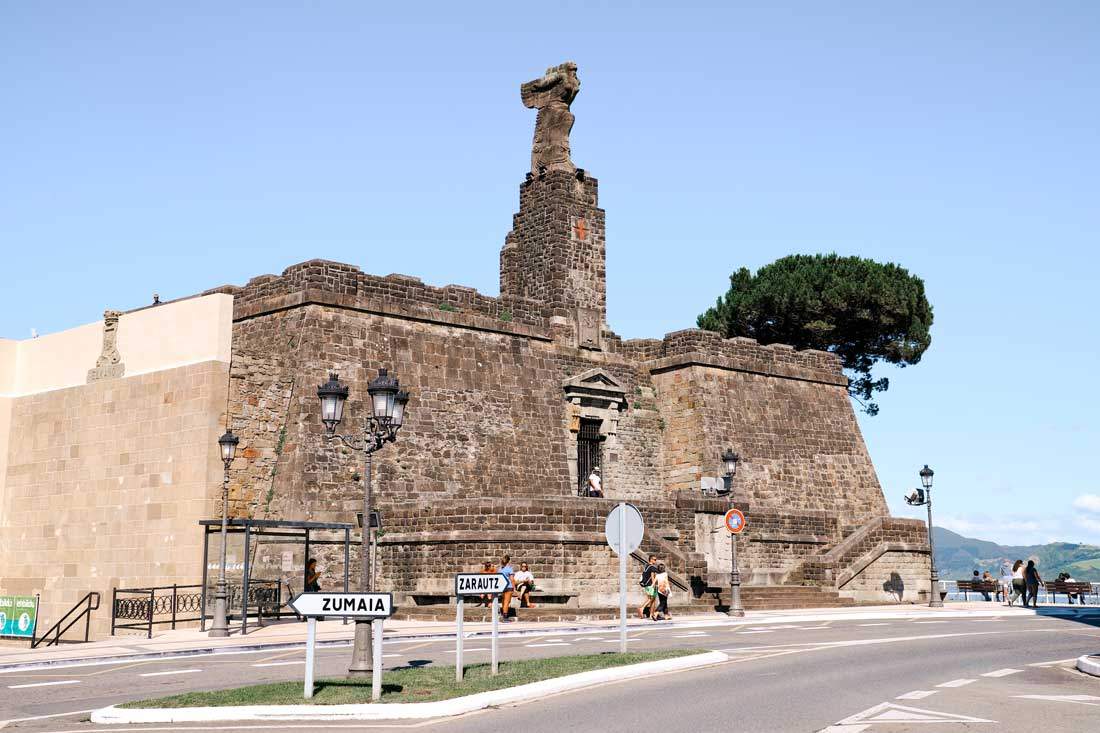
1006,580
595,485
525,583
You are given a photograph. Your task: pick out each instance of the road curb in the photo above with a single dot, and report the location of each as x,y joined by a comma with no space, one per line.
1089,664
408,711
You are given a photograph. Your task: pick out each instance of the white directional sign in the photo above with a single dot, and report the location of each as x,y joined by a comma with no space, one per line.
478,584
353,605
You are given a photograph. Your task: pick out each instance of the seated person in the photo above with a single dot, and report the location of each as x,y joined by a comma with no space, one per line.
525,583
486,600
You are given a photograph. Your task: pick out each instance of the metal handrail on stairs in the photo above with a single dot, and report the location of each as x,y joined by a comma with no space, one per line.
82,609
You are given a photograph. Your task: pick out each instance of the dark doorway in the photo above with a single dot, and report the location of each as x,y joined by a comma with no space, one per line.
589,442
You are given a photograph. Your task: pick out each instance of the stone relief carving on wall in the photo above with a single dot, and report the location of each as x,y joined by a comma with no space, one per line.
109,364
551,95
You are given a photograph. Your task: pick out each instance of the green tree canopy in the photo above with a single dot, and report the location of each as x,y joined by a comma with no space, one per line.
861,310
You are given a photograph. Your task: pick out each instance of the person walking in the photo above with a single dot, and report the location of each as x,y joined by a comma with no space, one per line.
1032,581
649,587
664,588
1006,581
1017,582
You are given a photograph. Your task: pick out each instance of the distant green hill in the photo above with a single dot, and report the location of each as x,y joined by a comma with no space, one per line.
957,557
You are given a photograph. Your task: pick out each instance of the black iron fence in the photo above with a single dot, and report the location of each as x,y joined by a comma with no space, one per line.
143,608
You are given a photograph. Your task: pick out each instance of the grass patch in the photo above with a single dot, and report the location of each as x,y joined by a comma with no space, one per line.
414,683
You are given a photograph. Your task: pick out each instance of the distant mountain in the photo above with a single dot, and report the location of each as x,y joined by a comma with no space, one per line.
957,557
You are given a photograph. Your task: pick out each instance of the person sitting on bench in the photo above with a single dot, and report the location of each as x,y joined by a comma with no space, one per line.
525,583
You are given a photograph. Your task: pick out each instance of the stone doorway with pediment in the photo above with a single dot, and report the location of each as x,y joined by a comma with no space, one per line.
594,401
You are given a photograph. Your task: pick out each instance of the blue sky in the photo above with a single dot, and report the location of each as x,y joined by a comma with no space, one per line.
148,147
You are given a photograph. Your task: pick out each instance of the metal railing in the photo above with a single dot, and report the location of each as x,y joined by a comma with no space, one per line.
83,610
951,588
143,608
138,608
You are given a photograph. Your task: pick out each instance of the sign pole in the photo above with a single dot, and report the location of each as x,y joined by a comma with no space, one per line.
622,578
311,640
376,669
496,612
458,642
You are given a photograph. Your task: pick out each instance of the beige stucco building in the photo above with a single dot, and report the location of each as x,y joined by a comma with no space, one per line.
103,480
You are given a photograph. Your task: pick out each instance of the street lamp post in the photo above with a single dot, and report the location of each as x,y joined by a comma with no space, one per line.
729,460
386,417
923,497
228,445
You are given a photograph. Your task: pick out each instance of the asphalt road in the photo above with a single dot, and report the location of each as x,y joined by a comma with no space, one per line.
1005,674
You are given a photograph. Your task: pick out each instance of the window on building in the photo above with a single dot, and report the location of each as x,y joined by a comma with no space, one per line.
589,445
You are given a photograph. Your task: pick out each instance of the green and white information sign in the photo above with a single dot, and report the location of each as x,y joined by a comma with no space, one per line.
18,616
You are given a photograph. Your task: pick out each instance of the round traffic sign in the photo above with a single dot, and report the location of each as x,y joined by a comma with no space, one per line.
635,528
735,521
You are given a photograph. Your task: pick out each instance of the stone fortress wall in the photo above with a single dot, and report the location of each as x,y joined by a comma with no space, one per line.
104,480
108,454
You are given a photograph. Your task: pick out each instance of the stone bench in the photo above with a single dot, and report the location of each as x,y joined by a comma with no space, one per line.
538,597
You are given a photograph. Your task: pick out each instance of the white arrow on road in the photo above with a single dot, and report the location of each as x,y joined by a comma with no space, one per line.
353,605
888,712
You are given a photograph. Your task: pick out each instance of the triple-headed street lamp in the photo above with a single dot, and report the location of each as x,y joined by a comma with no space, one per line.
228,445
387,415
923,497
729,462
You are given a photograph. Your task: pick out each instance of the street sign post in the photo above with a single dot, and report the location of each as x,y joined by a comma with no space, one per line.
735,521
477,584
624,530
373,606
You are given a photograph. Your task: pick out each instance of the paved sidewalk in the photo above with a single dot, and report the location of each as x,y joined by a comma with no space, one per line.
287,634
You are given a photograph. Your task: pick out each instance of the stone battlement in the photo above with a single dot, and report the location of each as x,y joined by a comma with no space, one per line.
708,348
267,293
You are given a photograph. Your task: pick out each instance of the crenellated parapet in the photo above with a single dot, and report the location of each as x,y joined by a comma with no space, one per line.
343,285
708,348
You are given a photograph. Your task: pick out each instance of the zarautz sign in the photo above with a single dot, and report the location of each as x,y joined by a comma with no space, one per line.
354,605
474,584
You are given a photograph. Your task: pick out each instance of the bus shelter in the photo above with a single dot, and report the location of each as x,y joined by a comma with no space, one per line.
266,563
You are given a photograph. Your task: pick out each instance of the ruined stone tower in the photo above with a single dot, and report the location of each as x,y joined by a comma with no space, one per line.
555,252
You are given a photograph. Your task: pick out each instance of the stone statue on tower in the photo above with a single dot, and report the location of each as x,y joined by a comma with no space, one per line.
551,95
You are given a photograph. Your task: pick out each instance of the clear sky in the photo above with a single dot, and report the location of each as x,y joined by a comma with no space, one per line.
175,147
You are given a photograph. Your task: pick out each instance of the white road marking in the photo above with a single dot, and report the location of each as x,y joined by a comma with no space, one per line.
43,717
592,638
888,712
916,695
1078,699
278,664
43,684
690,634
1051,664
955,683
472,649
1002,672
549,643
931,622
761,631
879,624
845,728
392,655
807,628
171,671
